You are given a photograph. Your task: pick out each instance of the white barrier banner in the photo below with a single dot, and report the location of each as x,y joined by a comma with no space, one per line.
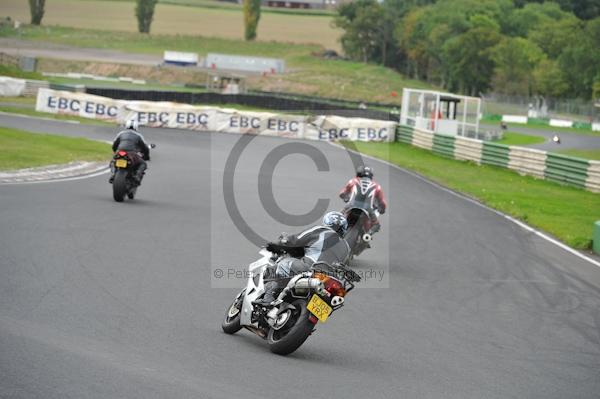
596,126
213,119
11,87
561,123
355,129
514,119
78,104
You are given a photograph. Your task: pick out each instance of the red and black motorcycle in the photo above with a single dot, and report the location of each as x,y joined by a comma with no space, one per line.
357,235
123,166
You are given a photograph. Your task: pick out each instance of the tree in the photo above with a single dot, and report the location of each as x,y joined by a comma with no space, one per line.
548,79
469,59
251,17
144,11
515,60
367,32
36,8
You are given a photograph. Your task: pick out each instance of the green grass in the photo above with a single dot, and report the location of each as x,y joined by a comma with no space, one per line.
585,154
14,72
122,85
565,212
19,149
307,74
512,138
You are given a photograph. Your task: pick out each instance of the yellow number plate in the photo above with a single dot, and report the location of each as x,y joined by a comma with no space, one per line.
121,163
319,308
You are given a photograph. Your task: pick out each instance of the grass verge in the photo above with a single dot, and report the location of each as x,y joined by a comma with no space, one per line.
20,149
565,212
512,138
585,154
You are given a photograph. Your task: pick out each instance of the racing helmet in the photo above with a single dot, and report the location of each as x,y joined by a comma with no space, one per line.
336,221
364,171
132,124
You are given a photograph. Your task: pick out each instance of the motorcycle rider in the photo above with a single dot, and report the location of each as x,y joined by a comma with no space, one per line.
133,142
321,243
363,192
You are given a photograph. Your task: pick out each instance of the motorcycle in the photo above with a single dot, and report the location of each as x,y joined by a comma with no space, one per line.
359,224
123,166
308,298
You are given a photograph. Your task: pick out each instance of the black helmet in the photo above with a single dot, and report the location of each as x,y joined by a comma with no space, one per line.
364,171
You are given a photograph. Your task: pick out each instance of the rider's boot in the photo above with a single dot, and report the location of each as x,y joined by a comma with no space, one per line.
272,290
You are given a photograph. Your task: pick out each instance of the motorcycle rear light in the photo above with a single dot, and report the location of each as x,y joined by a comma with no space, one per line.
122,153
313,319
332,286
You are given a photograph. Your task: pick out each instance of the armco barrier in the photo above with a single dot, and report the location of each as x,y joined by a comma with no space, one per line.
562,169
253,100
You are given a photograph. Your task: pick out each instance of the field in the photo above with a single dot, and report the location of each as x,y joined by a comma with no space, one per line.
224,22
537,202
307,73
19,149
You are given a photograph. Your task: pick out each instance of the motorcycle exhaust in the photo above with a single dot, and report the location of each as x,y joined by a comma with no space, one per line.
337,301
367,237
306,284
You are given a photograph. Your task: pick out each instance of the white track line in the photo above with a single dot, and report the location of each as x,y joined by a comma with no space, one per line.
466,198
62,179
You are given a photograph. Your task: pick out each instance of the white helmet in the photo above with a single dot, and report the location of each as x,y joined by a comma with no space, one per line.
132,124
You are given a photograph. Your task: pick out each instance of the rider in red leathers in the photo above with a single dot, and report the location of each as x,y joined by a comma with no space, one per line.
363,192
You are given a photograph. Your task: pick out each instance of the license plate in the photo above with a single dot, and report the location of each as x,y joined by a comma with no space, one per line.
319,308
121,163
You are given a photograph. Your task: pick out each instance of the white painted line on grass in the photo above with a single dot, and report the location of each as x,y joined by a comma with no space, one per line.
464,197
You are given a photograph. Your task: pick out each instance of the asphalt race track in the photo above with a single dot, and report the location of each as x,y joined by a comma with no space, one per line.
107,300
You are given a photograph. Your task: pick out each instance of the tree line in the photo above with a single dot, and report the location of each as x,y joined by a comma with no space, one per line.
515,47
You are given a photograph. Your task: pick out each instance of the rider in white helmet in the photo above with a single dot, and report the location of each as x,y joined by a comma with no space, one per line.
133,142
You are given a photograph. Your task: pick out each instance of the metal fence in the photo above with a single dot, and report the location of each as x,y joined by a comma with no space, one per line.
539,107
253,100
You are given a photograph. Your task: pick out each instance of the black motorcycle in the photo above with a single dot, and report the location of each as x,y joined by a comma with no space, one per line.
123,166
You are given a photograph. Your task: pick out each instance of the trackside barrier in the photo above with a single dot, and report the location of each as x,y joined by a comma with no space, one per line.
213,119
558,168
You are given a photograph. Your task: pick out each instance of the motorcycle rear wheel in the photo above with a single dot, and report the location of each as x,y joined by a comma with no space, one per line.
120,185
291,337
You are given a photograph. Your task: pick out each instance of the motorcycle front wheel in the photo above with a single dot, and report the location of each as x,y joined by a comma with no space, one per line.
293,334
231,324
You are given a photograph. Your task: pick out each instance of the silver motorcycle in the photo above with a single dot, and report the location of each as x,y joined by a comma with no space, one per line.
308,298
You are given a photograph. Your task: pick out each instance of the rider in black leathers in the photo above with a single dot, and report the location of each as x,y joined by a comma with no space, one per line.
133,142
322,243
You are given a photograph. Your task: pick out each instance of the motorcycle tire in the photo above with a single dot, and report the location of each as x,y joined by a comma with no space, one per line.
294,336
231,325
120,185
352,238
